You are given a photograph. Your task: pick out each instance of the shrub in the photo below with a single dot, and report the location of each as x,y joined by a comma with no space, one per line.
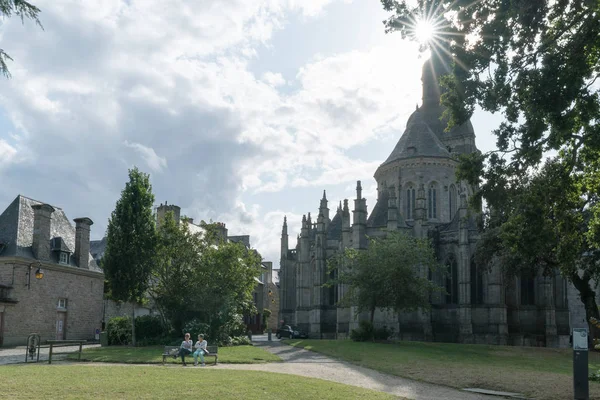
195,327
150,328
363,333
241,341
119,330
366,332
382,333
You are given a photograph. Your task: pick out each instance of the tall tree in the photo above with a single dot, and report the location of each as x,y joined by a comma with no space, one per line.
131,242
537,62
22,9
392,274
203,276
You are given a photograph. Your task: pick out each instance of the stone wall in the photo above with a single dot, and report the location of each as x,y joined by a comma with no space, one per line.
35,309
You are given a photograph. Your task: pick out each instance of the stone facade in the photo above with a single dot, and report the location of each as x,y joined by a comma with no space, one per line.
417,193
65,300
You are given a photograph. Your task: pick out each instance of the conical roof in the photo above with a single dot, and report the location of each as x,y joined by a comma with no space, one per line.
418,140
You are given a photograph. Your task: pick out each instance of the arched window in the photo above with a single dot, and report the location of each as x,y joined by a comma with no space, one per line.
451,281
333,289
476,284
527,289
452,201
410,202
432,198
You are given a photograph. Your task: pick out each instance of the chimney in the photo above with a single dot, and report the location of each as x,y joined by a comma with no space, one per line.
82,242
162,211
42,214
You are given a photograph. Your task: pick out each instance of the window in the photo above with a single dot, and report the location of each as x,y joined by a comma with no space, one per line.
451,281
62,303
63,258
452,201
410,202
432,209
527,290
476,284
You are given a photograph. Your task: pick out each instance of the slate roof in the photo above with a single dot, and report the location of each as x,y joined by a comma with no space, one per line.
379,215
418,140
97,248
16,230
334,230
243,239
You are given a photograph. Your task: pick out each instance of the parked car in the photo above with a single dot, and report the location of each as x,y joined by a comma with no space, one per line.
291,332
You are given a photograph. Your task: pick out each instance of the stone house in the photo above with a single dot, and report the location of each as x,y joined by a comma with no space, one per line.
49,282
418,194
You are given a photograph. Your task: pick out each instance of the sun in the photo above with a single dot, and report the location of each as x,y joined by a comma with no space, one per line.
424,31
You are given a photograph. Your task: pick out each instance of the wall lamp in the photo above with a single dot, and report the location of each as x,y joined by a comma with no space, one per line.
39,274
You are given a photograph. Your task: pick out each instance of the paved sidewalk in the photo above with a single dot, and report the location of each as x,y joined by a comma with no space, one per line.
307,363
15,355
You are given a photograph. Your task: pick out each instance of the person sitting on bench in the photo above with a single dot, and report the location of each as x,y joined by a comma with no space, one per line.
200,350
185,348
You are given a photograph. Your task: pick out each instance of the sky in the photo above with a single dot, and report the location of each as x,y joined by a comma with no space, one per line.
241,111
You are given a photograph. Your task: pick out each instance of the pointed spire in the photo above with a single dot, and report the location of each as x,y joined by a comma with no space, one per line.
358,190
324,195
433,70
284,228
346,208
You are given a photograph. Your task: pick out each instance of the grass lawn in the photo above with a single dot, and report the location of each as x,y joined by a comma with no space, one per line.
542,373
147,382
153,355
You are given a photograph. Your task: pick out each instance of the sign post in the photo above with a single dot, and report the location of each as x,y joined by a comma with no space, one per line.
97,334
581,388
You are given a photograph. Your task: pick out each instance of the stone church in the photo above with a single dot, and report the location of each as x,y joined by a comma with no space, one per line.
417,193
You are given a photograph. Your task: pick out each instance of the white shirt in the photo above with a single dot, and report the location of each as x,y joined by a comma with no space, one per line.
201,344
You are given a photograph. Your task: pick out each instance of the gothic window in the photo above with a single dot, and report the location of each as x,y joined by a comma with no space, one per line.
451,281
560,292
452,201
476,284
527,289
432,209
410,202
333,289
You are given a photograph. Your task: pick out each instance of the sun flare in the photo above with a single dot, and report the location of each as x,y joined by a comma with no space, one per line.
424,31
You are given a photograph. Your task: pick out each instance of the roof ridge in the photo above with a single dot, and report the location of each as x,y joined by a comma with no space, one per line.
38,201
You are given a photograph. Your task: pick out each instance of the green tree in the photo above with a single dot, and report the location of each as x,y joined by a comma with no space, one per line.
537,63
131,242
204,277
392,274
22,9
178,260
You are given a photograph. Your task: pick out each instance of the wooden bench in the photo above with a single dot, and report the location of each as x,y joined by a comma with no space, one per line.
170,351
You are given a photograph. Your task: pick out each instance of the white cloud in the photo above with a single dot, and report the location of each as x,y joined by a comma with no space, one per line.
173,82
273,79
7,153
153,161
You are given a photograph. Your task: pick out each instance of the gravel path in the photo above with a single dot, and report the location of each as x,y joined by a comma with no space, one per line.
314,365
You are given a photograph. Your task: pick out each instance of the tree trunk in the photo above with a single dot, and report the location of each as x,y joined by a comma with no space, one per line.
372,315
133,324
588,298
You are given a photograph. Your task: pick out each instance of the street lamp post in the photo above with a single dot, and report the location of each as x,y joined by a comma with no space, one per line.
39,274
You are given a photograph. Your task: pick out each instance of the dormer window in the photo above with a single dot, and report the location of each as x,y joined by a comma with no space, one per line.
63,258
